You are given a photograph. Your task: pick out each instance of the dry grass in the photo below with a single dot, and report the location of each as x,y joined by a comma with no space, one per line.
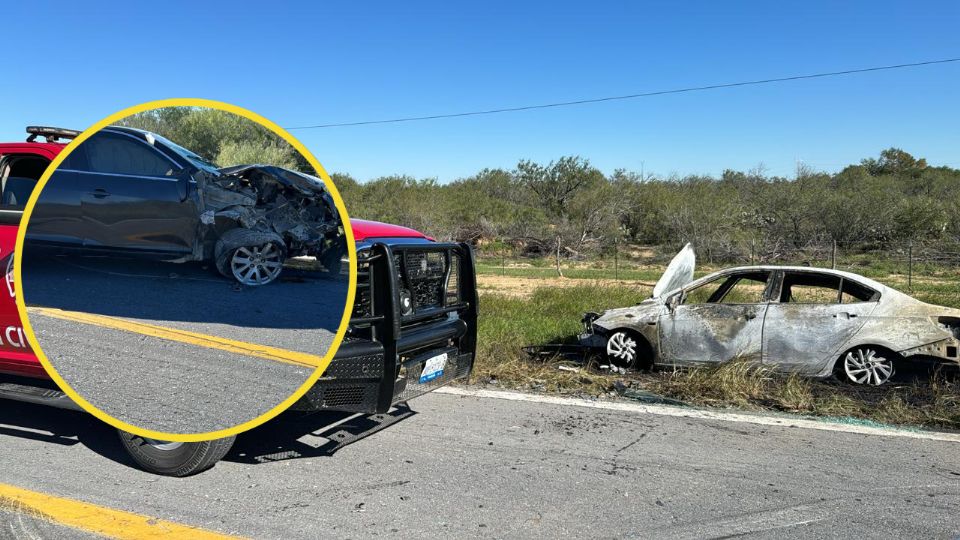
933,403
552,314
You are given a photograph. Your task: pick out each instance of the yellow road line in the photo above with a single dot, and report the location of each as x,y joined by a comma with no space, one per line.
96,519
183,336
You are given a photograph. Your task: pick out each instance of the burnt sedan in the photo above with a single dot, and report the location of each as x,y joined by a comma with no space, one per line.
811,321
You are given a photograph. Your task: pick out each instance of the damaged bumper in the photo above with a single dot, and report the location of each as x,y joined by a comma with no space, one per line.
414,329
944,349
295,206
591,336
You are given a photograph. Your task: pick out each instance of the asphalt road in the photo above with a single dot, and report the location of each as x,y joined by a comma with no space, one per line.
478,467
170,386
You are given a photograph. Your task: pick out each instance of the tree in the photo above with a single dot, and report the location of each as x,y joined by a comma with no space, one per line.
220,136
896,162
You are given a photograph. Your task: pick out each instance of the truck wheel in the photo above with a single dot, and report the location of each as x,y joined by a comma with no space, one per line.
252,258
174,459
332,257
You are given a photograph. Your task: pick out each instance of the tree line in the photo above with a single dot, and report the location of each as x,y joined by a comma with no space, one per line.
570,207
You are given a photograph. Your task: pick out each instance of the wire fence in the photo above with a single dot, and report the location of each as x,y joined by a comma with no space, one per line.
904,262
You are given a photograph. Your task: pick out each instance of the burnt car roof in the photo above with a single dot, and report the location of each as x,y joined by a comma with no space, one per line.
809,269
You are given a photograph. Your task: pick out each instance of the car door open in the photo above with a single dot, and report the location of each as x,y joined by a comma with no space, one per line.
716,321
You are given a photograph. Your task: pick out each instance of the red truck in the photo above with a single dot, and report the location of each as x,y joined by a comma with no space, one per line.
415,305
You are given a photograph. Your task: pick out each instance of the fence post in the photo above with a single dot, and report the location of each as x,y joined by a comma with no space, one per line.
616,260
559,271
910,266
833,256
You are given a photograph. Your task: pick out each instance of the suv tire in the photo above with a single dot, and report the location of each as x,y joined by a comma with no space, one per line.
237,242
175,459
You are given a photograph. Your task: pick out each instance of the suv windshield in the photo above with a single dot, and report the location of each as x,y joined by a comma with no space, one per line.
193,158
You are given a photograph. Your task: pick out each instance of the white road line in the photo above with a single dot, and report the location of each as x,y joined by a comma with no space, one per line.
684,412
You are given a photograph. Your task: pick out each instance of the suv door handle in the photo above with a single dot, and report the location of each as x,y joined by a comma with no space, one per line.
846,315
101,193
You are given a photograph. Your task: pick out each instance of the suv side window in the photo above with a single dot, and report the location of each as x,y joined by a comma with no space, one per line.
107,153
75,161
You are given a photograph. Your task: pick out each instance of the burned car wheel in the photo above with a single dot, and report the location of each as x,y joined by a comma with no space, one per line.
252,258
867,366
172,458
626,349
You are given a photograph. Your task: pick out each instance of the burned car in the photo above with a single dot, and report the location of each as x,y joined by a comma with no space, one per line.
811,321
133,192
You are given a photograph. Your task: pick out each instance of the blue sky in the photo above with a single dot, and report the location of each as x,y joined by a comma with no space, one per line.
321,62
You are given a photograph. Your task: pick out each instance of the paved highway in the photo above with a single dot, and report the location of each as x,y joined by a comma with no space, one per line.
464,466
167,346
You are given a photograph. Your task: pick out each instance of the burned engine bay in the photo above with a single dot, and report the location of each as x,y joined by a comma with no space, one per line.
296,206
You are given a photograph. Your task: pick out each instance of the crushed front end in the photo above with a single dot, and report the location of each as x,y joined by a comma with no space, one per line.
413,329
295,206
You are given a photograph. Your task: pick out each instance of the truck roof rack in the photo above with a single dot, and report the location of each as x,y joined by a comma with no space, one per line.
51,134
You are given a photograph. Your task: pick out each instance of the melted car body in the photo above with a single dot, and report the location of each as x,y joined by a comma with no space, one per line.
805,320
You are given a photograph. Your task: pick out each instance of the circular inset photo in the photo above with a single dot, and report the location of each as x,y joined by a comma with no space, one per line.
185,269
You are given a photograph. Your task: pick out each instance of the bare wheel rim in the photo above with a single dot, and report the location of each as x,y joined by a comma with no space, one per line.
162,445
866,366
622,347
256,265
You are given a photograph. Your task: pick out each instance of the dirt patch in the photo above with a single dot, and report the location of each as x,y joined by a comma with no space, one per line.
523,287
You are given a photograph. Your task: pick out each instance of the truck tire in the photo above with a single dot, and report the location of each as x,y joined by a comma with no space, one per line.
174,459
266,250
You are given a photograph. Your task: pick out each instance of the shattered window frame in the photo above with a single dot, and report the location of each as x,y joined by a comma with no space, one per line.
789,278
729,282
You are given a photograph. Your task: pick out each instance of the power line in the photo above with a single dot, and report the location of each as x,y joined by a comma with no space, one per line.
628,96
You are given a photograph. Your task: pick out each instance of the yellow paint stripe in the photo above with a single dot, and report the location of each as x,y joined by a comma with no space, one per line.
96,519
183,336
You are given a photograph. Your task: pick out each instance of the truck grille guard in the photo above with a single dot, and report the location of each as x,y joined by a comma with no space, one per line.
412,300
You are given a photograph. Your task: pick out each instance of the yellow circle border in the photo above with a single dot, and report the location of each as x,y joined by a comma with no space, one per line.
324,362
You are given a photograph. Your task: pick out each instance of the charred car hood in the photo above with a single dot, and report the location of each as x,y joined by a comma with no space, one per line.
678,273
647,311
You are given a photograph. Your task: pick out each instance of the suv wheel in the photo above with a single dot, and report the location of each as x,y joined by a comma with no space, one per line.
174,459
252,258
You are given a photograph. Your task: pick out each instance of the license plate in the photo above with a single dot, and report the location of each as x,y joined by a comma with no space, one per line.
433,368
